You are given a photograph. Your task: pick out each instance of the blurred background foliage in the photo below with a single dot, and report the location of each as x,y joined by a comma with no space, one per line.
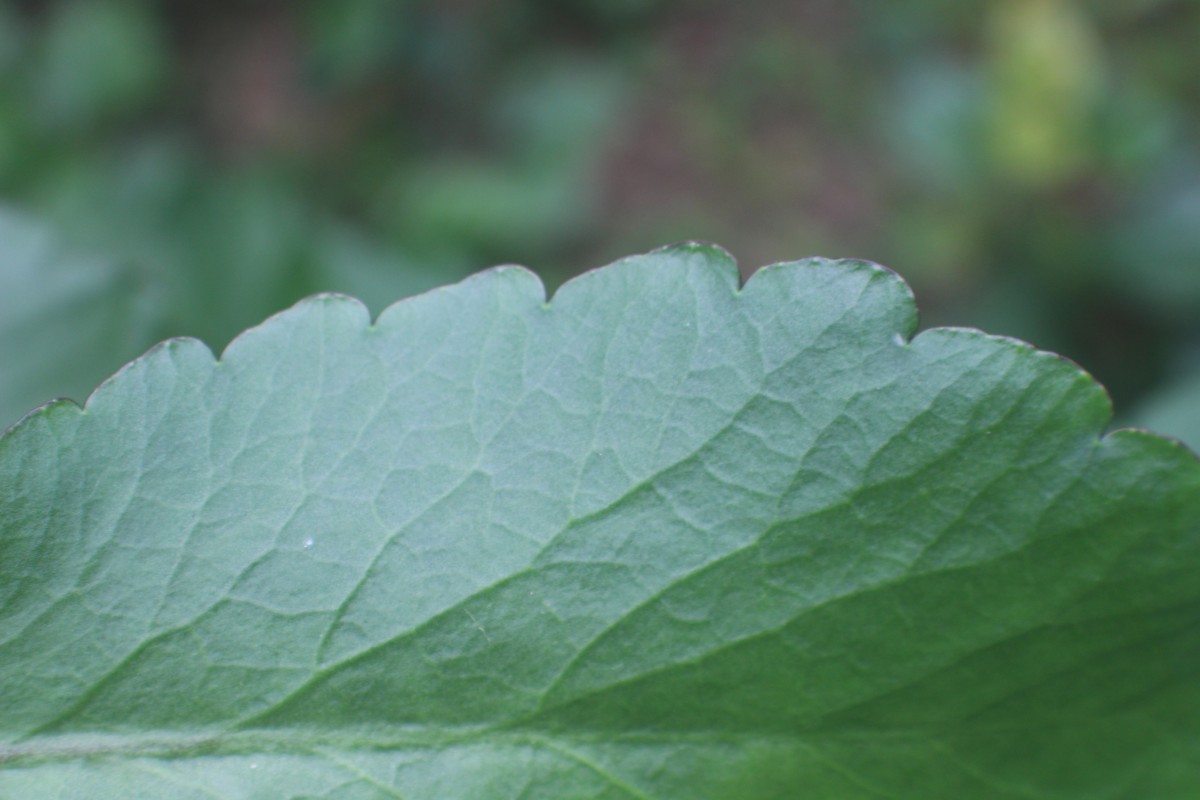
189,167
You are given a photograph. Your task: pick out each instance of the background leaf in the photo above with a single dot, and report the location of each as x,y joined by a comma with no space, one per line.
1175,410
66,322
658,538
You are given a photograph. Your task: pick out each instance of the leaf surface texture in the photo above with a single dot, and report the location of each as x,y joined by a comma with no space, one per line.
660,537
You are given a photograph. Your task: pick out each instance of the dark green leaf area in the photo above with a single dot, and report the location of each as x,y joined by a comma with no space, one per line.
661,537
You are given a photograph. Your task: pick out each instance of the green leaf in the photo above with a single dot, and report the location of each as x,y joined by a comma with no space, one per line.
66,322
660,537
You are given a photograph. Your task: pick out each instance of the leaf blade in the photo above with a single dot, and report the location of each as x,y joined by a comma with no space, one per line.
660,535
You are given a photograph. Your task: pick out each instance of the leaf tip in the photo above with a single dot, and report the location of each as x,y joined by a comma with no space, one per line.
695,247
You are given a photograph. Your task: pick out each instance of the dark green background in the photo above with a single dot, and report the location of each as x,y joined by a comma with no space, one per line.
1030,166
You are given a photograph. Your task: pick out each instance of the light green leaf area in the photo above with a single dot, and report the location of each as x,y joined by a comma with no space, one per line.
66,322
660,537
